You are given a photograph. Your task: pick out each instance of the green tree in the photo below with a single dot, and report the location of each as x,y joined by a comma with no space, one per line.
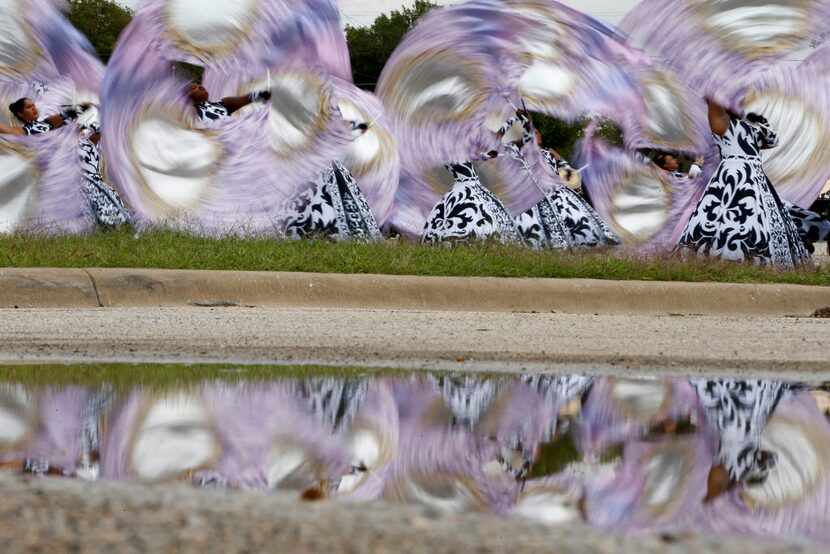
371,47
101,21
563,137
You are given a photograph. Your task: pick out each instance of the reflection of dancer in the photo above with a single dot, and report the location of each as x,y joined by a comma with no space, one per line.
59,430
739,411
107,206
563,219
740,215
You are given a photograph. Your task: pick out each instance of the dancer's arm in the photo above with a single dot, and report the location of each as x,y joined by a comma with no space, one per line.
718,119
769,138
236,103
6,130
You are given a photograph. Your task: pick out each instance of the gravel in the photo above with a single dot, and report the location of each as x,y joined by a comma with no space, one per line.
57,515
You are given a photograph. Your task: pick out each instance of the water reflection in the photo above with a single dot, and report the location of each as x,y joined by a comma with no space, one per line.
675,455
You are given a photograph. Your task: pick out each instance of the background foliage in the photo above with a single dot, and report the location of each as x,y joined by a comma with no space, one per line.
101,21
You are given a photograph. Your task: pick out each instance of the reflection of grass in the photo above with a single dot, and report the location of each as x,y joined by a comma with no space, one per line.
175,250
170,376
555,456
165,376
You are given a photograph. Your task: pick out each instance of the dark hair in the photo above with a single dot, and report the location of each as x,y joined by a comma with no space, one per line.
660,159
17,107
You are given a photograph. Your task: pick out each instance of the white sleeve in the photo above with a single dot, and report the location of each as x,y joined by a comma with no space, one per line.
694,171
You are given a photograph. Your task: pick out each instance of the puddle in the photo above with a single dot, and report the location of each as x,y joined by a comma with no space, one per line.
669,456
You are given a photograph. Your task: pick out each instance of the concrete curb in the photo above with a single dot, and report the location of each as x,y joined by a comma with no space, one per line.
86,288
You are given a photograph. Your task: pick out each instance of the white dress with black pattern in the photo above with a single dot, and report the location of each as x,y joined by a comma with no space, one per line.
333,207
740,216
564,219
212,111
739,410
469,212
811,227
105,203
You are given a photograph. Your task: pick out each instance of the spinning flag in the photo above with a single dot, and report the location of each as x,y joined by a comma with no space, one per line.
222,177
169,166
735,52
242,36
309,119
719,46
645,206
44,58
458,75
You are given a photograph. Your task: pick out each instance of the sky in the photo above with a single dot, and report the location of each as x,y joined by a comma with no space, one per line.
363,12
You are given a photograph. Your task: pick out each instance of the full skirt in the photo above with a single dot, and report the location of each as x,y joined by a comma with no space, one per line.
740,217
333,207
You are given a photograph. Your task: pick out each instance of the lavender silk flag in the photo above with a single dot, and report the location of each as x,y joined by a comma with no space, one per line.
796,101
310,116
40,184
645,206
42,57
446,94
174,169
447,85
240,36
720,46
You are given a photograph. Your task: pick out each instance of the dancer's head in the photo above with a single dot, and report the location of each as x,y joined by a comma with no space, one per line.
197,93
24,110
667,162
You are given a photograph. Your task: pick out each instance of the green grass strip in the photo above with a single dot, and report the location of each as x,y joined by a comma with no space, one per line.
166,249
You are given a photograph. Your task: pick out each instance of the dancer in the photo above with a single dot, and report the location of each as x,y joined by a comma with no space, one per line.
564,219
668,162
812,227
217,111
334,205
469,211
740,216
106,205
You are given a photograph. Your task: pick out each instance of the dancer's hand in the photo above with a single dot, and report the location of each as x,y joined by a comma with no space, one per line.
260,96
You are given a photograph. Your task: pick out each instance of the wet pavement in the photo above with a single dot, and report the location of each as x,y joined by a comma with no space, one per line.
676,456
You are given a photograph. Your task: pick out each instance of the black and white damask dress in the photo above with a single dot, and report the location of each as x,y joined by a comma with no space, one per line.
334,206
212,111
739,411
469,212
563,219
107,206
740,216
811,227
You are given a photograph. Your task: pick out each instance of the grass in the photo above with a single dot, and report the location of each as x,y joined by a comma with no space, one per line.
175,250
